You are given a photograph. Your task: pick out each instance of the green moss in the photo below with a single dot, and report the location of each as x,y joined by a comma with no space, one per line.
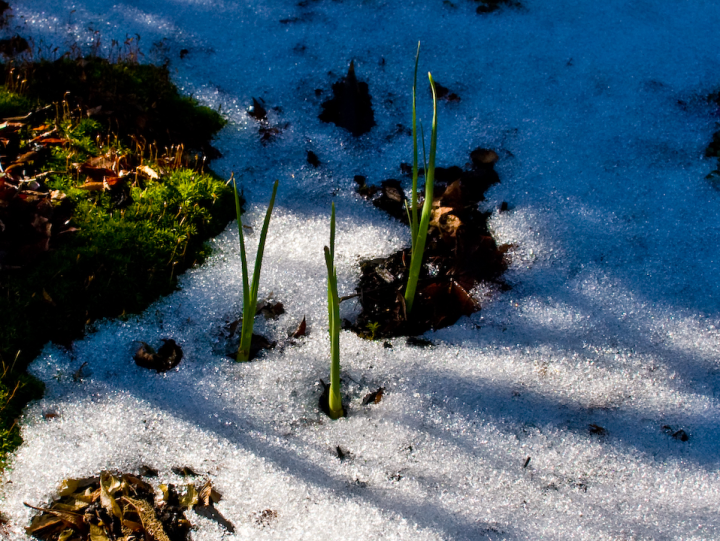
142,98
16,390
128,244
12,104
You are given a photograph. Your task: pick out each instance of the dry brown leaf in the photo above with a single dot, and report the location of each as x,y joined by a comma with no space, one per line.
44,134
68,487
74,506
301,329
467,303
97,533
148,172
190,498
112,182
52,141
208,494
134,526
71,519
92,186
453,197
450,225
44,524
108,485
65,535
136,483
47,297
436,215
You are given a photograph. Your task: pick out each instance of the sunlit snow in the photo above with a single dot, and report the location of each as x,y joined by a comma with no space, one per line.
598,112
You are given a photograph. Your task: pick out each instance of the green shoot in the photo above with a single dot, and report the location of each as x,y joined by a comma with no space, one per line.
418,242
250,294
334,401
412,213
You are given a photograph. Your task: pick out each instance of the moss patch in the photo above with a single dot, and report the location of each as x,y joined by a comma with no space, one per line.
103,202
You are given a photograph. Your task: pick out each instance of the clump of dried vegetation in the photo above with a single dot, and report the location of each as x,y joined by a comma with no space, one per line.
124,507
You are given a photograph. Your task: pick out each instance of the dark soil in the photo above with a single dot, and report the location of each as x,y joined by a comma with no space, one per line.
324,400
488,6
351,105
268,132
460,253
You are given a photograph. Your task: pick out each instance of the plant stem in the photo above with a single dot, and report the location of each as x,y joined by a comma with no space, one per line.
334,400
413,197
250,293
418,247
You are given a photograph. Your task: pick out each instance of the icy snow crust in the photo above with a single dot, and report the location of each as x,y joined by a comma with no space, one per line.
597,110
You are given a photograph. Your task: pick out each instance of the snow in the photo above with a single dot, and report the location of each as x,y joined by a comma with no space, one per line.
599,114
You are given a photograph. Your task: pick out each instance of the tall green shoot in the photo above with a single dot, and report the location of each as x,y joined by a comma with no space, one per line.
420,235
335,407
250,294
413,214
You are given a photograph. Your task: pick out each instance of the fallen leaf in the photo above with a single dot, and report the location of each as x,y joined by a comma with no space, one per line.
52,141
437,213
148,172
65,535
453,196
301,329
112,182
208,495
97,533
44,525
167,357
108,485
373,398
71,519
190,498
47,297
134,526
135,483
92,186
270,310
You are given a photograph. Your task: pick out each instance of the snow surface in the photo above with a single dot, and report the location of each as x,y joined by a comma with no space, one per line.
598,111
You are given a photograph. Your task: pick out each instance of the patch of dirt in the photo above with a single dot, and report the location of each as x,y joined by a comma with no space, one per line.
351,105
488,6
460,254
268,132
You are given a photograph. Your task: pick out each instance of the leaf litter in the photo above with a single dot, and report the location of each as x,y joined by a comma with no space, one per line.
124,507
460,254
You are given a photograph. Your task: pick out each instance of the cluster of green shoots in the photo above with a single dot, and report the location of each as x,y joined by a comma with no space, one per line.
250,295
418,229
